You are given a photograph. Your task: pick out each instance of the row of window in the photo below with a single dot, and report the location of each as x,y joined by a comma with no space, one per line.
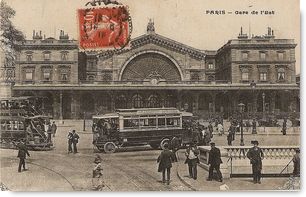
263,55
47,56
263,75
151,122
47,74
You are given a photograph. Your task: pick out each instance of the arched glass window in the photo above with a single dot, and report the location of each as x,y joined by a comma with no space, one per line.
153,101
137,101
121,102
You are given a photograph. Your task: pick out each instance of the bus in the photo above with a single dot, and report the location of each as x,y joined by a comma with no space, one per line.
130,127
21,119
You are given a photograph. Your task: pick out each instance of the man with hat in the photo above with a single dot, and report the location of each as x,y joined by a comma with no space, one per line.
296,163
256,156
165,160
22,154
214,162
192,153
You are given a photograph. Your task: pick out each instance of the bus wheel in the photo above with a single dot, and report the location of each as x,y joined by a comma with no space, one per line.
154,146
109,147
163,142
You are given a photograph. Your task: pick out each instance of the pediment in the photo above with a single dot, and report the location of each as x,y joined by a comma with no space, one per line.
158,40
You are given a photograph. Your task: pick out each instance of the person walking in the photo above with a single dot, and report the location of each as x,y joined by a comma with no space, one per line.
22,154
229,137
49,133
192,153
296,163
214,162
256,156
165,160
75,141
210,129
220,129
53,128
70,137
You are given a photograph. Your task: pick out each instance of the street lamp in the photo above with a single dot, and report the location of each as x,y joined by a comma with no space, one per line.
84,121
241,108
253,86
263,104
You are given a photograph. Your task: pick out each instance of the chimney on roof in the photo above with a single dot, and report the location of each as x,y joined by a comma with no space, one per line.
242,35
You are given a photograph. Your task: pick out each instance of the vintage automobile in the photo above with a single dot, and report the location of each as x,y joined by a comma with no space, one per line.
130,127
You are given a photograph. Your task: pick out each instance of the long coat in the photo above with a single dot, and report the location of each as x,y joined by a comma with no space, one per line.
22,151
255,155
165,160
214,156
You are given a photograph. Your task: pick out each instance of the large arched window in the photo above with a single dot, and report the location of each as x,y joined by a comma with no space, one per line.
153,101
121,102
137,101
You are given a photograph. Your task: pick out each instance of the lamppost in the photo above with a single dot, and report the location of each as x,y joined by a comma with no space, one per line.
83,121
263,110
241,108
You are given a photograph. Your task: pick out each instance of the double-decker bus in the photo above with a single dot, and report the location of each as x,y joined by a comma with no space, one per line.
21,119
129,127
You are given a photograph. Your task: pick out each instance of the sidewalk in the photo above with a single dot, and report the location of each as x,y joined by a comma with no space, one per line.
234,184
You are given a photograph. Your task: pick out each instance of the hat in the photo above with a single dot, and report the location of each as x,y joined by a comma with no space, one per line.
297,150
254,142
166,145
212,143
97,159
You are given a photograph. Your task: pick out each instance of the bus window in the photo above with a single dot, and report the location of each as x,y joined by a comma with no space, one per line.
161,122
15,125
131,123
148,122
21,126
10,125
173,122
3,125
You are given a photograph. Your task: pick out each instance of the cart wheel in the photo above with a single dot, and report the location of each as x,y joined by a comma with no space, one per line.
109,147
163,142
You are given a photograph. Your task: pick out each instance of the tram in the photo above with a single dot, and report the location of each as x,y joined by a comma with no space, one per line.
130,127
21,119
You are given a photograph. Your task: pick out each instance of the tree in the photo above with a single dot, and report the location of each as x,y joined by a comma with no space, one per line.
9,38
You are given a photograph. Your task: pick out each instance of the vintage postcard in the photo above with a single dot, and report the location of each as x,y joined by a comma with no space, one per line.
150,95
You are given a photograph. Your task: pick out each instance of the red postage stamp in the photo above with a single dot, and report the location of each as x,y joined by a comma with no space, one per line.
103,28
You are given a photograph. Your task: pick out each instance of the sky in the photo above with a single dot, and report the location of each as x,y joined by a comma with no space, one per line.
181,20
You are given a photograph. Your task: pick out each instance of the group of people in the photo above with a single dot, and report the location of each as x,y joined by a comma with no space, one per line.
192,153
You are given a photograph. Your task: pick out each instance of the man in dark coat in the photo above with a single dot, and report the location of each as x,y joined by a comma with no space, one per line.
165,160
256,156
53,128
75,141
22,154
192,153
229,137
70,142
214,162
296,163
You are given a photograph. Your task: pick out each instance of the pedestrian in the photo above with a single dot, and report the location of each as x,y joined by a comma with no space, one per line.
233,131
49,133
296,163
254,126
22,154
75,141
229,137
214,162
284,129
70,141
53,128
207,137
192,159
97,174
256,156
165,160
211,129
220,129
175,145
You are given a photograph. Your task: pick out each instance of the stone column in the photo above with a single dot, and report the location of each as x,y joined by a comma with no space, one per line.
272,101
61,106
213,96
196,103
112,102
56,106
75,105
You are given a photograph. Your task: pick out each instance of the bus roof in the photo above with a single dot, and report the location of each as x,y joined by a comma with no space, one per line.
143,111
19,98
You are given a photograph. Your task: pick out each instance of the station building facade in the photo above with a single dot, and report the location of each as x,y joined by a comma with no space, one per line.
156,71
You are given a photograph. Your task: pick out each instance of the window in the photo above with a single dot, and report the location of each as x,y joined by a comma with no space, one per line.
244,74
47,56
194,76
153,101
137,101
211,78
263,76
161,122
281,74
262,55
29,57
131,123
64,55
280,55
211,66
90,65
29,74
245,55
64,74
64,77
46,74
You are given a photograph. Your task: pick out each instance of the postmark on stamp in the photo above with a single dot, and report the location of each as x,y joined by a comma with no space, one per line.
104,28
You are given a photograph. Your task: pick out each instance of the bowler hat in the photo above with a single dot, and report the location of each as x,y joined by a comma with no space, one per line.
254,142
212,143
